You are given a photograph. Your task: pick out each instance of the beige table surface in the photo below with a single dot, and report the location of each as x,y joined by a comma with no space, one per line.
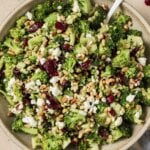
7,6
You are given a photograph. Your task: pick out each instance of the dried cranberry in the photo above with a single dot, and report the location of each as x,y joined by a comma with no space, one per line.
16,72
147,2
54,104
134,52
27,99
112,112
1,74
61,26
122,78
103,133
85,65
110,99
66,47
50,66
33,28
25,42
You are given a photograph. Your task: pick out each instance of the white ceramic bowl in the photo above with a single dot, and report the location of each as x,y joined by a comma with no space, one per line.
24,141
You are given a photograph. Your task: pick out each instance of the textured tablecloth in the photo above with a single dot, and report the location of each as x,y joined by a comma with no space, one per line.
7,6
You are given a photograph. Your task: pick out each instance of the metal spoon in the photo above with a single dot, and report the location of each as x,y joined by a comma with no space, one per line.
113,9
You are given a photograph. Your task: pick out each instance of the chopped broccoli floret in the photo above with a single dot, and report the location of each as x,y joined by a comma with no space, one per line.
84,26
40,75
121,132
59,39
107,73
131,72
42,10
85,6
35,41
134,114
54,142
17,124
69,64
97,18
51,19
13,46
17,32
147,71
134,32
73,118
36,142
20,22
146,97
122,59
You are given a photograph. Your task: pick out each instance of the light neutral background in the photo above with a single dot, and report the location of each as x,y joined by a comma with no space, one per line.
7,6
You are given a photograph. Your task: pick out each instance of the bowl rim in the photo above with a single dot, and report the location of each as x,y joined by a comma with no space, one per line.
17,9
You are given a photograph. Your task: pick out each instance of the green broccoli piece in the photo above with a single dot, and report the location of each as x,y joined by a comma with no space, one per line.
42,10
73,118
35,41
51,19
59,39
69,64
83,145
18,125
85,6
9,70
17,32
54,142
40,75
84,26
121,132
13,46
131,72
20,22
134,114
107,73
146,71
97,18
121,19
134,32
104,50
146,97
122,59
36,142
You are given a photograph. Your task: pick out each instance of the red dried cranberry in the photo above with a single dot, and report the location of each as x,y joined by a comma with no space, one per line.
110,99
103,133
85,66
147,2
25,42
66,47
54,104
122,78
134,52
50,66
61,26
112,112
33,28
16,72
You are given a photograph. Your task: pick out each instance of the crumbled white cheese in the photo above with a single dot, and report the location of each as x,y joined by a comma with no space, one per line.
29,120
40,102
59,7
29,85
29,15
130,98
142,61
88,35
76,7
42,61
51,111
38,82
54,80
55,52
60,125
103,99
118,121
108,59
10,83
55,91
33,102
137,115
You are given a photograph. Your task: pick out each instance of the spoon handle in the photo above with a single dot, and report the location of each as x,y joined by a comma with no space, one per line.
113,9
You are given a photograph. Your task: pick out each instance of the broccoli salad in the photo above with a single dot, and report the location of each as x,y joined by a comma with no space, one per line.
70,78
